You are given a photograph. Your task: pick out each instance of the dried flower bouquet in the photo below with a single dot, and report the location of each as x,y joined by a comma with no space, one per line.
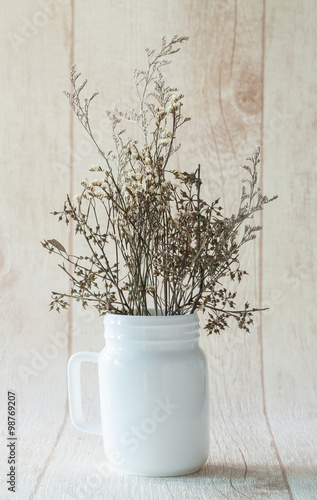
152,241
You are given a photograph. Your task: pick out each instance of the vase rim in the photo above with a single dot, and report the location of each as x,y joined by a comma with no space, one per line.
150,309
124,319
151,328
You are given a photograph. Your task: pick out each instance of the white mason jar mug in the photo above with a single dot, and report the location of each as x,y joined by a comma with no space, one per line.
154,398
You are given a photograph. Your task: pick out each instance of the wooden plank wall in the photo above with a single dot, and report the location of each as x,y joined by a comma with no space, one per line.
249,76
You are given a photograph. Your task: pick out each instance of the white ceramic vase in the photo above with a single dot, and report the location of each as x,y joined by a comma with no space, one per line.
154,399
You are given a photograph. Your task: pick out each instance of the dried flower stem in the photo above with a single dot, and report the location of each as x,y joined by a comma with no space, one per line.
153,242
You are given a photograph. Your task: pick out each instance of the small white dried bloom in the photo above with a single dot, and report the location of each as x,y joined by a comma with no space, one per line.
166,133
164,142
160,112
96,182
176,96
159,109
99,194
173,103
139,188
76,200
148,169
173,107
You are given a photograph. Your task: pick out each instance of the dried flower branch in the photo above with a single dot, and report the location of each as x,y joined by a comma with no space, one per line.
152,241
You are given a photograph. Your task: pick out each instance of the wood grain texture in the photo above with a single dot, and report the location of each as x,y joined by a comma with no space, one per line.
249,76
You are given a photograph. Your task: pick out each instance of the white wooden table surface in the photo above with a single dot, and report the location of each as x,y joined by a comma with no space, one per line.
249,75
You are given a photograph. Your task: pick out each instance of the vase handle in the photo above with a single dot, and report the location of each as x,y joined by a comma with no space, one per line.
74,392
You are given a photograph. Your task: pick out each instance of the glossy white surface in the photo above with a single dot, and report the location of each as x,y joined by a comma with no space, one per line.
153,395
